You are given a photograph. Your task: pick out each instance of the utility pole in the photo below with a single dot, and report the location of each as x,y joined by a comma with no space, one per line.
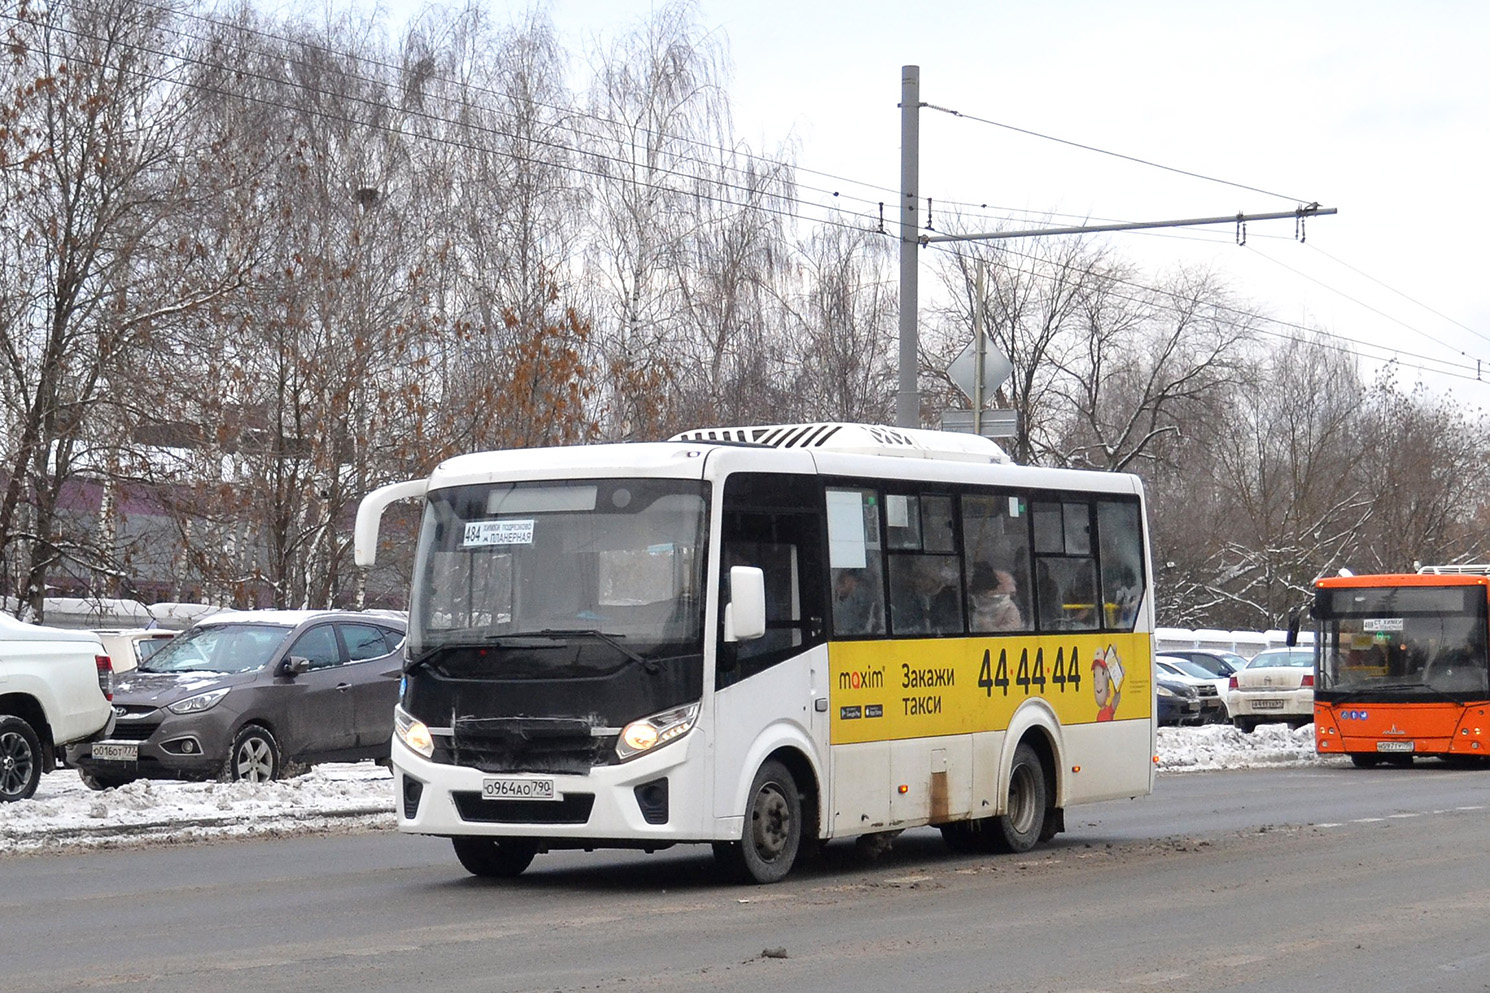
908,400
980,350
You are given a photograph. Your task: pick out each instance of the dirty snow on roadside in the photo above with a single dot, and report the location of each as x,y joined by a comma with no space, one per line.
66,814
1221,746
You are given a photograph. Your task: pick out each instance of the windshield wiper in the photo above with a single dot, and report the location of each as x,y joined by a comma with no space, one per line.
428,656
614,640
1373,691
180,672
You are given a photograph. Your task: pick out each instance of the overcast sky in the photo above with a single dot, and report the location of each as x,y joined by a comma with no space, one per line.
1381,110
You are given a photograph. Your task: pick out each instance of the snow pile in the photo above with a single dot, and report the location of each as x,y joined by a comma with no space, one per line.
66,814
1221,746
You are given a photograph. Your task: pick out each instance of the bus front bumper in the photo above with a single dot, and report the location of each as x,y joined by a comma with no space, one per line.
652,799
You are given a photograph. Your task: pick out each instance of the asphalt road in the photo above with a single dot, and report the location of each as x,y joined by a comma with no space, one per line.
1303,879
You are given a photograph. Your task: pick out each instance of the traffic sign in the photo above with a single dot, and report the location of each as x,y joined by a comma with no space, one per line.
964,370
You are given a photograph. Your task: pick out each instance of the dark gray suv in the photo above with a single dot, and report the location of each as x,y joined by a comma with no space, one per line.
244,693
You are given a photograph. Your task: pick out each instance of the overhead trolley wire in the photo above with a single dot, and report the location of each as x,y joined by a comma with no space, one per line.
1199,236
1366,306
1116,155
661,187
1385,286
1304,333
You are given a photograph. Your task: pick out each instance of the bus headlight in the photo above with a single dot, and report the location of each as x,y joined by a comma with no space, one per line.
650,732
413,732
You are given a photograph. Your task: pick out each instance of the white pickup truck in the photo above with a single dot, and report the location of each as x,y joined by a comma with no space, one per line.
55,688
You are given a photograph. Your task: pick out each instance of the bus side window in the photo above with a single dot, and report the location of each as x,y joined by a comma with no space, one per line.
996,539
856,561
1120,545
1065,571
926,594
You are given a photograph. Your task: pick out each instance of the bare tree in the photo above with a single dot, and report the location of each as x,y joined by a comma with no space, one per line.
1276,503
1036,302
102,160
845,317
655,101
501,142
1149,363
1423,458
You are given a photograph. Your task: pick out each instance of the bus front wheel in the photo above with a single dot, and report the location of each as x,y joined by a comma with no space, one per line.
772,835
494,858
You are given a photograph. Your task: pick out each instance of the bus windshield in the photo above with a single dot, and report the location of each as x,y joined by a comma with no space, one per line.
613,566
1402,643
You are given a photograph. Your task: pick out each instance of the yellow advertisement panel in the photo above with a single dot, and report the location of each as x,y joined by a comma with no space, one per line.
887,690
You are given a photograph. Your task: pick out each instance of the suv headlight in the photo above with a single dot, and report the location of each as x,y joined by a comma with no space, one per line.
1166,691
651,732
200,702
413,732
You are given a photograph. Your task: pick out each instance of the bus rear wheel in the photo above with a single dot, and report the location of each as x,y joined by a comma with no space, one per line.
1362,761
494,858
772,835
1023,822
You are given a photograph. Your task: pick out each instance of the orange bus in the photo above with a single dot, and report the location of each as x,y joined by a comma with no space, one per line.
1402,666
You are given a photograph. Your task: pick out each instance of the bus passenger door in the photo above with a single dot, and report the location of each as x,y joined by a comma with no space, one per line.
768,690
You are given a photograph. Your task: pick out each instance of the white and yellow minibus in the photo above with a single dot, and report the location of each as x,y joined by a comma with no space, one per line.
765,639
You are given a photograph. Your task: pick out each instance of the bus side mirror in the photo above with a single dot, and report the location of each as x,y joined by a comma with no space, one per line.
745,614
370,513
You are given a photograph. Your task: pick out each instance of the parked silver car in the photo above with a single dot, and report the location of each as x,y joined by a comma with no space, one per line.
244,693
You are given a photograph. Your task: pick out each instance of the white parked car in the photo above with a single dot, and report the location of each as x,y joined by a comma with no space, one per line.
1276,686
1211,689
127,648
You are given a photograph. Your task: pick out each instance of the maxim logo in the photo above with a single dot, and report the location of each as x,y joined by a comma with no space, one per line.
869,679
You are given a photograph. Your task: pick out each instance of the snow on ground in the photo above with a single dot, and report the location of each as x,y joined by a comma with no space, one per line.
65,814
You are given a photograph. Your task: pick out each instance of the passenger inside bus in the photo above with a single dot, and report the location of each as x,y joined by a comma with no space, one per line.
857,602
925,596
991,600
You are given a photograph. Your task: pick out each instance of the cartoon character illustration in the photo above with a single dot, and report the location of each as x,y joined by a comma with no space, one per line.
1107,682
